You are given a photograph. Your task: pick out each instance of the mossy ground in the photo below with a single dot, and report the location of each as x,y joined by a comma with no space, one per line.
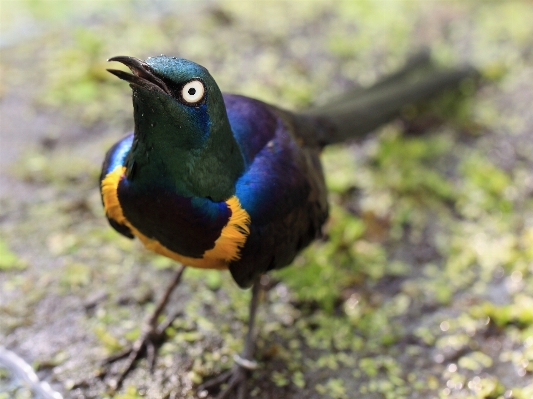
423,286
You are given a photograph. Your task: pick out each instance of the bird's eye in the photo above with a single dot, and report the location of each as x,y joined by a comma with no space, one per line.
193,92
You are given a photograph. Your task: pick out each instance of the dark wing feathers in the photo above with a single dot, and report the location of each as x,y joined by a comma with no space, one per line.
252,122
283,191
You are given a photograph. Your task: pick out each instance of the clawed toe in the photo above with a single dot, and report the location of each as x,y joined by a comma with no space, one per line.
236,379
146,343
151,337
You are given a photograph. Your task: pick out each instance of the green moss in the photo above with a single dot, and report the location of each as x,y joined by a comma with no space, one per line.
111,343
129,393
520,312
9,260
333,388
75,275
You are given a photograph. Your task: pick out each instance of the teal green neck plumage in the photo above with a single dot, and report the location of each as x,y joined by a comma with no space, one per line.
189,149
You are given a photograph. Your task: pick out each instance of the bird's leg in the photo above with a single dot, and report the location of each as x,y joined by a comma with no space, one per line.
151,334
236,377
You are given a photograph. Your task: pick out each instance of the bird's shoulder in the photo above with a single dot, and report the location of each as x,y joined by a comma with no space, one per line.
255,124
281,169
113,163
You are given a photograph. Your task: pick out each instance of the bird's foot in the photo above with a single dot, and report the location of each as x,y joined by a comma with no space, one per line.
151,338
236,379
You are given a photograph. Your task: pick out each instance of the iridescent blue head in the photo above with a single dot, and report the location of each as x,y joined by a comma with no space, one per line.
182,136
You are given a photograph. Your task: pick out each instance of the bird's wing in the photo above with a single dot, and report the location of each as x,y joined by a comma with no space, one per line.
282,188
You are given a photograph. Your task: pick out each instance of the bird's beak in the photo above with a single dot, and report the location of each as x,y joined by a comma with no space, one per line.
142,74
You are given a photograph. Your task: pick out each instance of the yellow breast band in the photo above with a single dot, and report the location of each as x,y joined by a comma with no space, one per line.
227,247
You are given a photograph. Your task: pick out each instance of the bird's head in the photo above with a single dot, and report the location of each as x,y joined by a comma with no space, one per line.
182,133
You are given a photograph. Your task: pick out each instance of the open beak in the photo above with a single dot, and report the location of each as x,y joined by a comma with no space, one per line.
142,75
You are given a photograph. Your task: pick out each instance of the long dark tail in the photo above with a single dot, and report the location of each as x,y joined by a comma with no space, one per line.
360,111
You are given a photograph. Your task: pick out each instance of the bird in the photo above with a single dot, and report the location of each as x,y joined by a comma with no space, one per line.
228,182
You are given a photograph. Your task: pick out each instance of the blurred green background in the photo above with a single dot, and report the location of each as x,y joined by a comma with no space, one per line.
424,285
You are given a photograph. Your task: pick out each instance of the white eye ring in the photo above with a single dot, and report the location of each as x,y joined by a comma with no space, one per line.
193,91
